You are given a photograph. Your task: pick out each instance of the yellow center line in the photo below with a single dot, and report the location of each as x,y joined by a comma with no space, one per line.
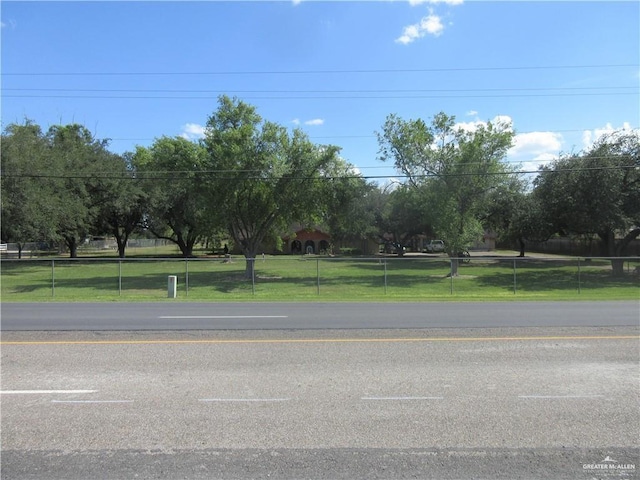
320,340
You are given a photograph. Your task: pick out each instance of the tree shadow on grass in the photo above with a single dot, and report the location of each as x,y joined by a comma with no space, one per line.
103,278
421,277
546,280
222,282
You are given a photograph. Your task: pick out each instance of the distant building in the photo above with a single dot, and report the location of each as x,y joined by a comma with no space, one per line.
311,241
316,241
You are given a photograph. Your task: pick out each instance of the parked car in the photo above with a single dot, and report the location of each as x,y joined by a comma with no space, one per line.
392,247
435,246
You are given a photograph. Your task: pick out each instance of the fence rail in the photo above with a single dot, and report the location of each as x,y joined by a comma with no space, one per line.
221,278
40,249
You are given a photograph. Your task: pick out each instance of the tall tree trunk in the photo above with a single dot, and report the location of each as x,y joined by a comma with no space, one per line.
250,269
121,247
522,246
455,262
121,240
186,247
249,250
72,243
612,250
617,265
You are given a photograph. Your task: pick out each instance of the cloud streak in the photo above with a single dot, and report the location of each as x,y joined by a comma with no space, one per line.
12,24
429,25
432,24
313,122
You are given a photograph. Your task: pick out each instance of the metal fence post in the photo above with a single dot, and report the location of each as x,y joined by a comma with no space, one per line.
186,276
515,283
119,277
451,273
253,275
318,275
579,279
385,275
53,278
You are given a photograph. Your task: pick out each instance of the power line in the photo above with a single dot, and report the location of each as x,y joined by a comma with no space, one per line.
171,175
323,72
324,97
317,137
333,91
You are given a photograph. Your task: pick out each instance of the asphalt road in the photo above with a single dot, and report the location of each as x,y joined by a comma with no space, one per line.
553,400
283,316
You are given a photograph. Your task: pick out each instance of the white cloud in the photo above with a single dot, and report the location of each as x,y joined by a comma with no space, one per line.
536,144
432,25
531,149
313,122
472,113
192,131
429,25
589,137
503,120
534,149
469,126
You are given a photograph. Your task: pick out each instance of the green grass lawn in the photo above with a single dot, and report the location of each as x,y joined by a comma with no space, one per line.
288,278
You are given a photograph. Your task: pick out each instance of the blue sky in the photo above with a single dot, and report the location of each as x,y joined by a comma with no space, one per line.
560,72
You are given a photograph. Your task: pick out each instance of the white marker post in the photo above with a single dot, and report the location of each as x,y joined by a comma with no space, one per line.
173,286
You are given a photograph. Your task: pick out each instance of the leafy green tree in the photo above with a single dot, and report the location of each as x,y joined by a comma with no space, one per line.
403,214
596,193
516,215
27,213
77,160
122,201
263,178
171,174
347,214
457,169
50,183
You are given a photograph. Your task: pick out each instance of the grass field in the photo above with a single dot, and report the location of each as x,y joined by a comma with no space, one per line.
309,278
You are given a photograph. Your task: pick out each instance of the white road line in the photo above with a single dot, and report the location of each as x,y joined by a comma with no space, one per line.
244,399
558,396
402,398
91,401
43,392
215,317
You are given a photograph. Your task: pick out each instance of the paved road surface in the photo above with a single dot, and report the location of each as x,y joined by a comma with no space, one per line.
242,316
552,402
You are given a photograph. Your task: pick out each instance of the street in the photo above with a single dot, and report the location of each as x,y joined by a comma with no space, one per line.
537,402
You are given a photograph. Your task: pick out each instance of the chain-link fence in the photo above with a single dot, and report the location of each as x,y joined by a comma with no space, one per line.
107,245
308,277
